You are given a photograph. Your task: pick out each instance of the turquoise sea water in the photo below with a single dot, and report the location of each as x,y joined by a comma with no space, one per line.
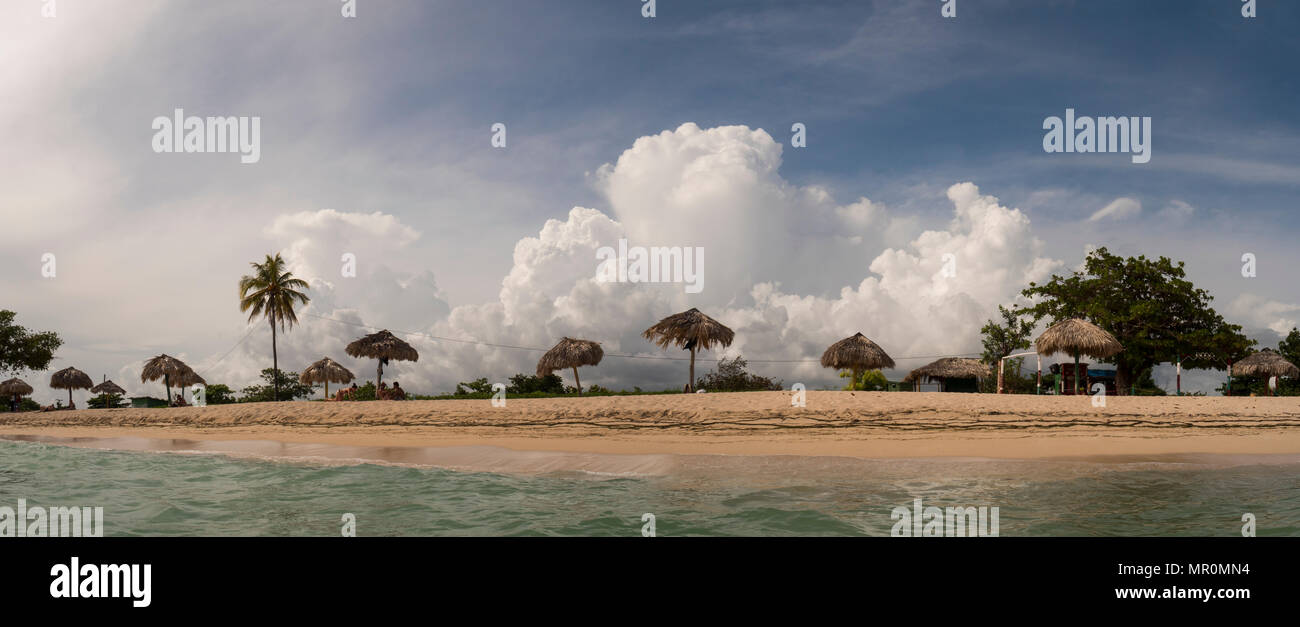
179,494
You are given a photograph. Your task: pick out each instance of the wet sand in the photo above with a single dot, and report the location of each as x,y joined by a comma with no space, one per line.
857,424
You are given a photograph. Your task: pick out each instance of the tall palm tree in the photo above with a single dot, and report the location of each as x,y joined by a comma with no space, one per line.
271,291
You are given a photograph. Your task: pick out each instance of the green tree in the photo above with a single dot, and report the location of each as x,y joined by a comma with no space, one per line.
277,381
21,349
529,383
272,292
219,394
871,381
1149,306
1289,347
1146,385
477,386
731,376
1004,338
104,401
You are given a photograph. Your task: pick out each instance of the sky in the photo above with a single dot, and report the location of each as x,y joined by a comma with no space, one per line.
924,138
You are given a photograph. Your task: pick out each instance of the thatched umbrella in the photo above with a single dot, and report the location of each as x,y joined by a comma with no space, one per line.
71,379
106,389
14,389
1265,363
1074,337
189,379
951,368
856,353
570,353
692,331
382,346
326,371
171,370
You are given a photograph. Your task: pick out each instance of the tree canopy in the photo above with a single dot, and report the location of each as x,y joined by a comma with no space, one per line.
1005,337
22,349
1149,306
286,383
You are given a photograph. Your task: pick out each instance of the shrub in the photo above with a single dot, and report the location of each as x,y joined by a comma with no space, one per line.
528,384
731,376
290,387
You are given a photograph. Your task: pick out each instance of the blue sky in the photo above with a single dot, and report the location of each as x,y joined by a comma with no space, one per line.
390,112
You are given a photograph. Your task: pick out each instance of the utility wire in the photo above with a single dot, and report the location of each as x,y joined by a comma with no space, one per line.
251,328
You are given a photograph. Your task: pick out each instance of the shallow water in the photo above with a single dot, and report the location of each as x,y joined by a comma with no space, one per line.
209,494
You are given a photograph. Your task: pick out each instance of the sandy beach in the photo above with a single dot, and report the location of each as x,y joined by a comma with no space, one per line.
851,424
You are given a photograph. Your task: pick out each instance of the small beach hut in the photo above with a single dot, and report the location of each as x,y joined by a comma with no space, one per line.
1265,363
71,379
690,330
14,389
856,353
382,346
950,368
1075,337
570,353
326,371
171,370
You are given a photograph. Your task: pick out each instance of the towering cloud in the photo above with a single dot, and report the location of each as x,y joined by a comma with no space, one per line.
786,266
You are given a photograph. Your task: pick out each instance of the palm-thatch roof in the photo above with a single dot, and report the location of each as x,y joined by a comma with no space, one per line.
108,387
689,329
326,371
15,387
570,353
173,370
71,379
189,378
1265,363
383,345
951,368
856,353
1075,337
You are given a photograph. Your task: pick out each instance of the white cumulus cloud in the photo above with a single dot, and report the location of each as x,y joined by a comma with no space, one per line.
789,268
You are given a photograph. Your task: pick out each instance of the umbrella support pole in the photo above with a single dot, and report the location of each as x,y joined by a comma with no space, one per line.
690,385
577,381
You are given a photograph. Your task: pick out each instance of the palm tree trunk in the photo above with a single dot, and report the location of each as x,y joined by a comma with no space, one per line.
577,380
275,364
690,385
